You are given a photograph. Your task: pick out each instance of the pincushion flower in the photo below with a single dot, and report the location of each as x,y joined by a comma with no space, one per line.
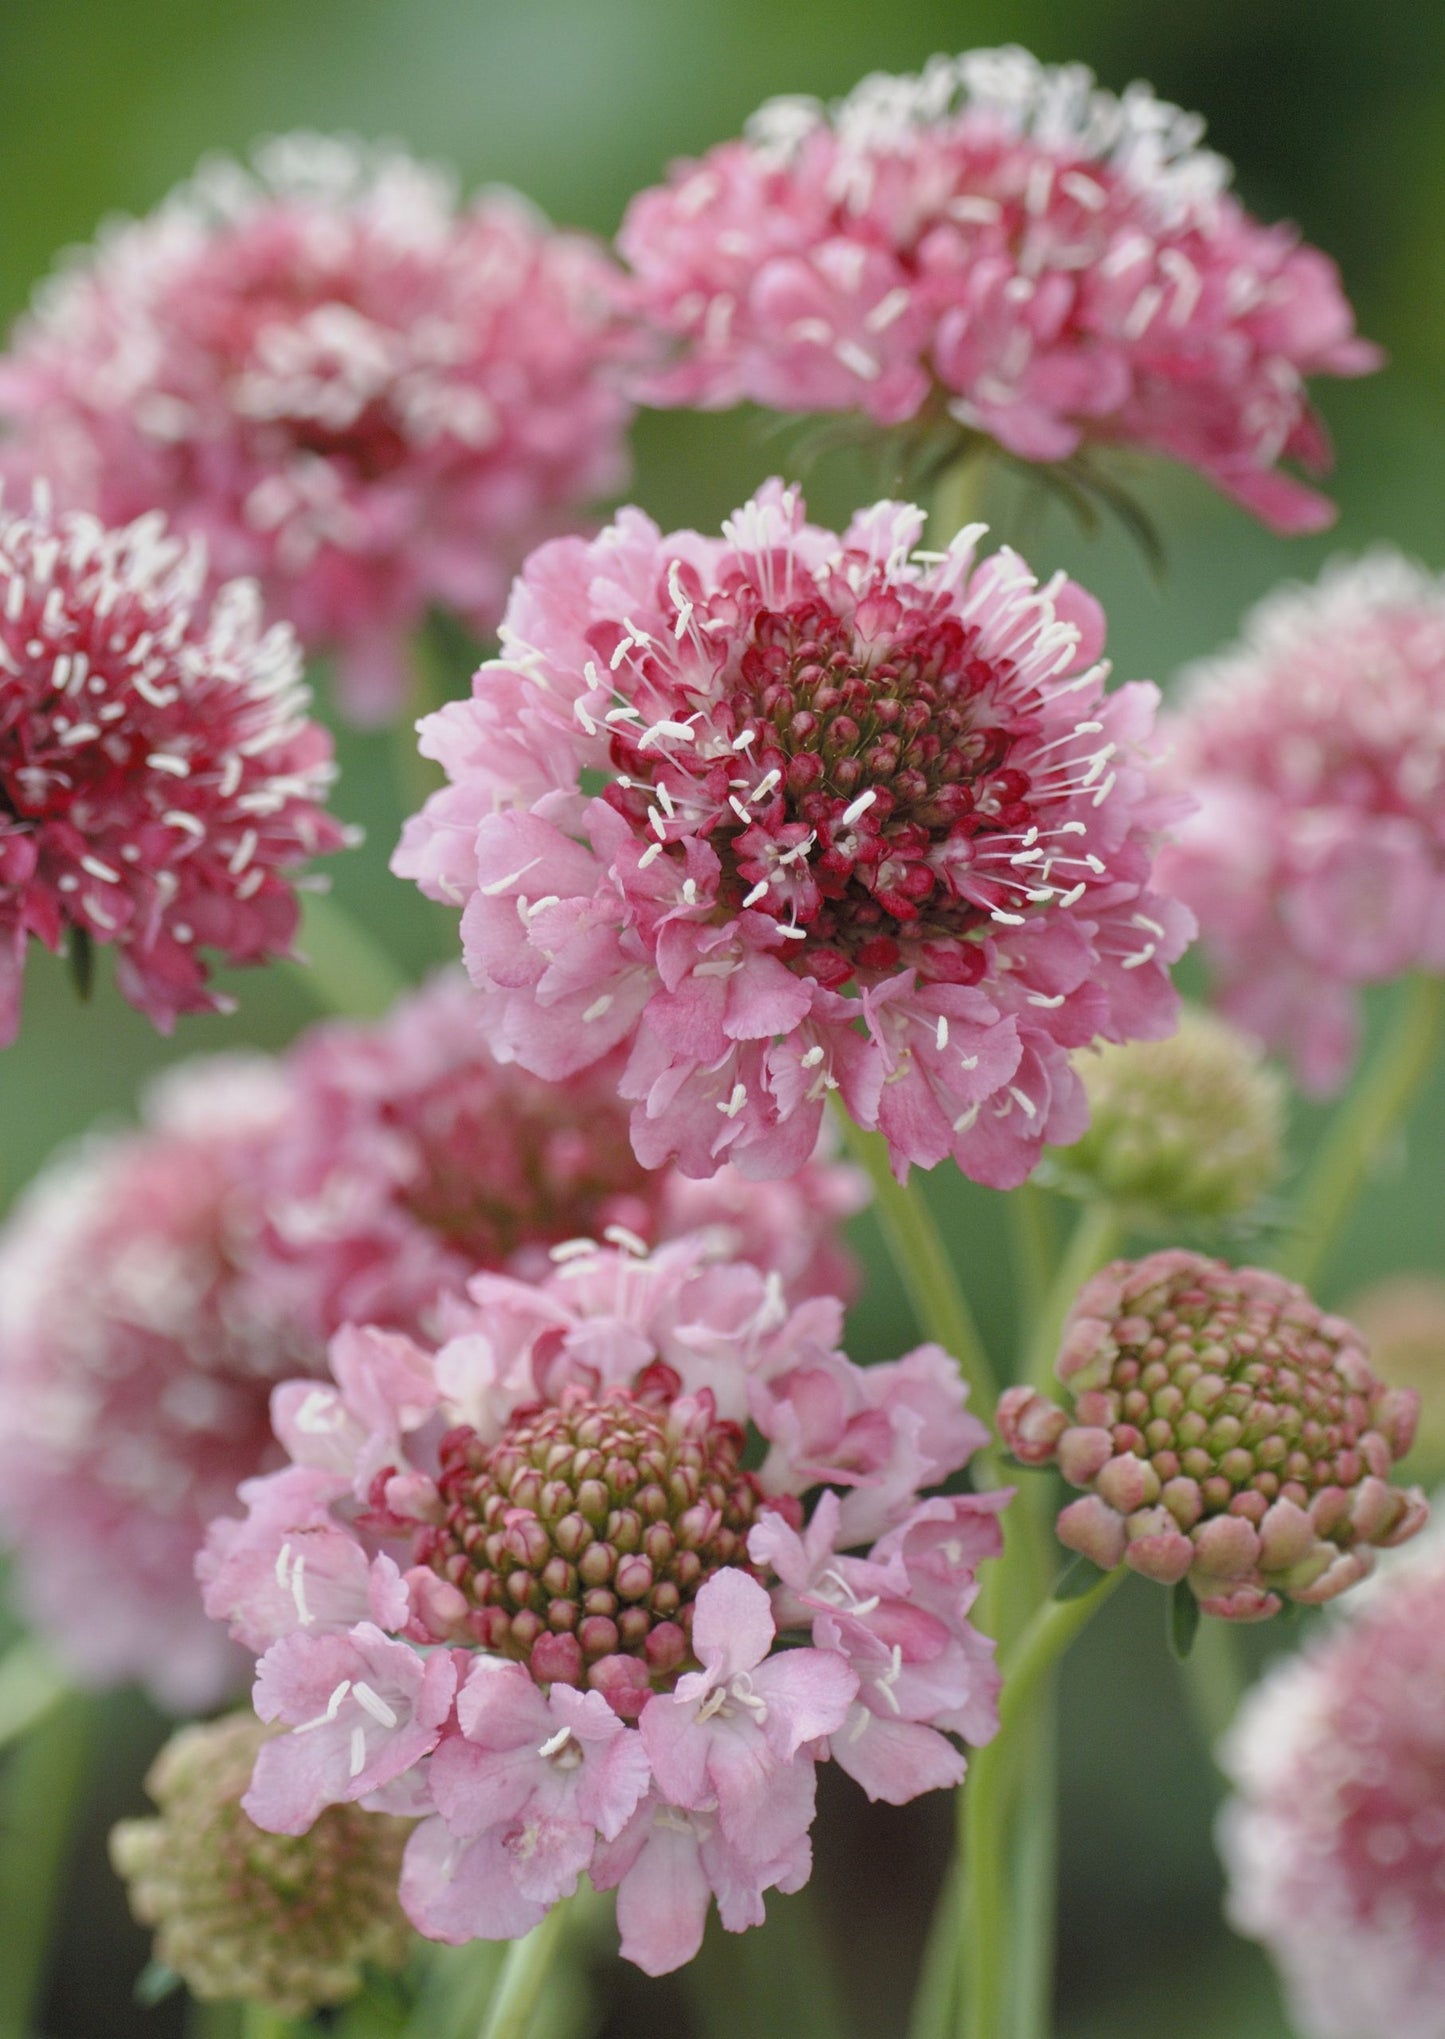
868,822
1315,859
998,243
1335,1842
159,780
371,1172
1226,1432
525,1589
411,1159
365,395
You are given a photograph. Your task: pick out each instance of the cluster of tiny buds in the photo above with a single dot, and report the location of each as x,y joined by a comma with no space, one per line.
584,1533
1226,1431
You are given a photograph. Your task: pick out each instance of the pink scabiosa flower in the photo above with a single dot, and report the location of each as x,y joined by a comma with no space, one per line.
527,1590
1226,1431
134,1380
867,822
411,1159
1335,1842
998,244
1315,858
368,397
159,780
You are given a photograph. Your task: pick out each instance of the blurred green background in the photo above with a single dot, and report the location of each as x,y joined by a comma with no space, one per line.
1335,115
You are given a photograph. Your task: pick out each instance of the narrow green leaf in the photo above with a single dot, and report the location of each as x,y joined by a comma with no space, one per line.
80,954
1183,1619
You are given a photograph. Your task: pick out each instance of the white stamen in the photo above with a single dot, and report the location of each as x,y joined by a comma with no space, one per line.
856,809
601,1005
629,1242
375,1705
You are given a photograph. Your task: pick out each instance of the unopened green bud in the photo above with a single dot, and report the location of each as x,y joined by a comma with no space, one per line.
289,1921
1188,1127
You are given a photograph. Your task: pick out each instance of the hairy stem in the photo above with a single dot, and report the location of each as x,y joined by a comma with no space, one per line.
923,1265
1364,1123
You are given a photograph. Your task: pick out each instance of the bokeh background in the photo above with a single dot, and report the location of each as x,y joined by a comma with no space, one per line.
1334,112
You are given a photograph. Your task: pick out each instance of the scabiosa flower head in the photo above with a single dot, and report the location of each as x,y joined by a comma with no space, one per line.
159,780
1188,1127
1315,859
998,243
1335,1842
528,1589
411,1159
1403,1320
1226,1431
868,822
292,1922
367,397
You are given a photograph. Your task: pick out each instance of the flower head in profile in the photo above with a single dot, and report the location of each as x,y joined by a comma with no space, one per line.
1226,1432
368,397
262,1204
1335,1841
411,1158
998,244
867,821
528,1589
159,779
292,1922
1315,858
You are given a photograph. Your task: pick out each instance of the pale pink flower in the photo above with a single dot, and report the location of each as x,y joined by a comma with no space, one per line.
369,397
1335,1843
1225,1430
134,1377
554,1513
1315,859
159,779
411,1158
998,243
870,823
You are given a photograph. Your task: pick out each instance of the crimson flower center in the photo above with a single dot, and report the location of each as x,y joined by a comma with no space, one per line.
857,776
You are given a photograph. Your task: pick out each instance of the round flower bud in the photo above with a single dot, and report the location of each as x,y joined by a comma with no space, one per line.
1226,1431
285,1920
1188,1127
1404,1321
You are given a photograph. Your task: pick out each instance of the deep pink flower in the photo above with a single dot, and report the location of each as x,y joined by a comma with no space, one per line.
832,767
368,397
159,780
999,243
560,1498
1225,1430
1316,857
1335,1844
411,1158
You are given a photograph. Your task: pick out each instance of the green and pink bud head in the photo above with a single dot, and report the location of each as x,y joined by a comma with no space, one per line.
1225,1430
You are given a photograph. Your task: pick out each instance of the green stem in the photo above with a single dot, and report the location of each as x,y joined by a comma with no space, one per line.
1035,1251
918,1252
523,1978
32,1685
934,2013
958,496
345,971
259,2021
42,1794
1094,1239
1214,1680
1353,1144
1035,1874
984,1924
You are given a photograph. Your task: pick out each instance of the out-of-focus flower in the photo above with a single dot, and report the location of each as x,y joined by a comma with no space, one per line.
367,397
159,780
1315,859
525,1589
291,1922
263,1205
1403,1321
1335,1843
998,243
1190,1127
1226,1431
135,1372
411,1159
868,823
